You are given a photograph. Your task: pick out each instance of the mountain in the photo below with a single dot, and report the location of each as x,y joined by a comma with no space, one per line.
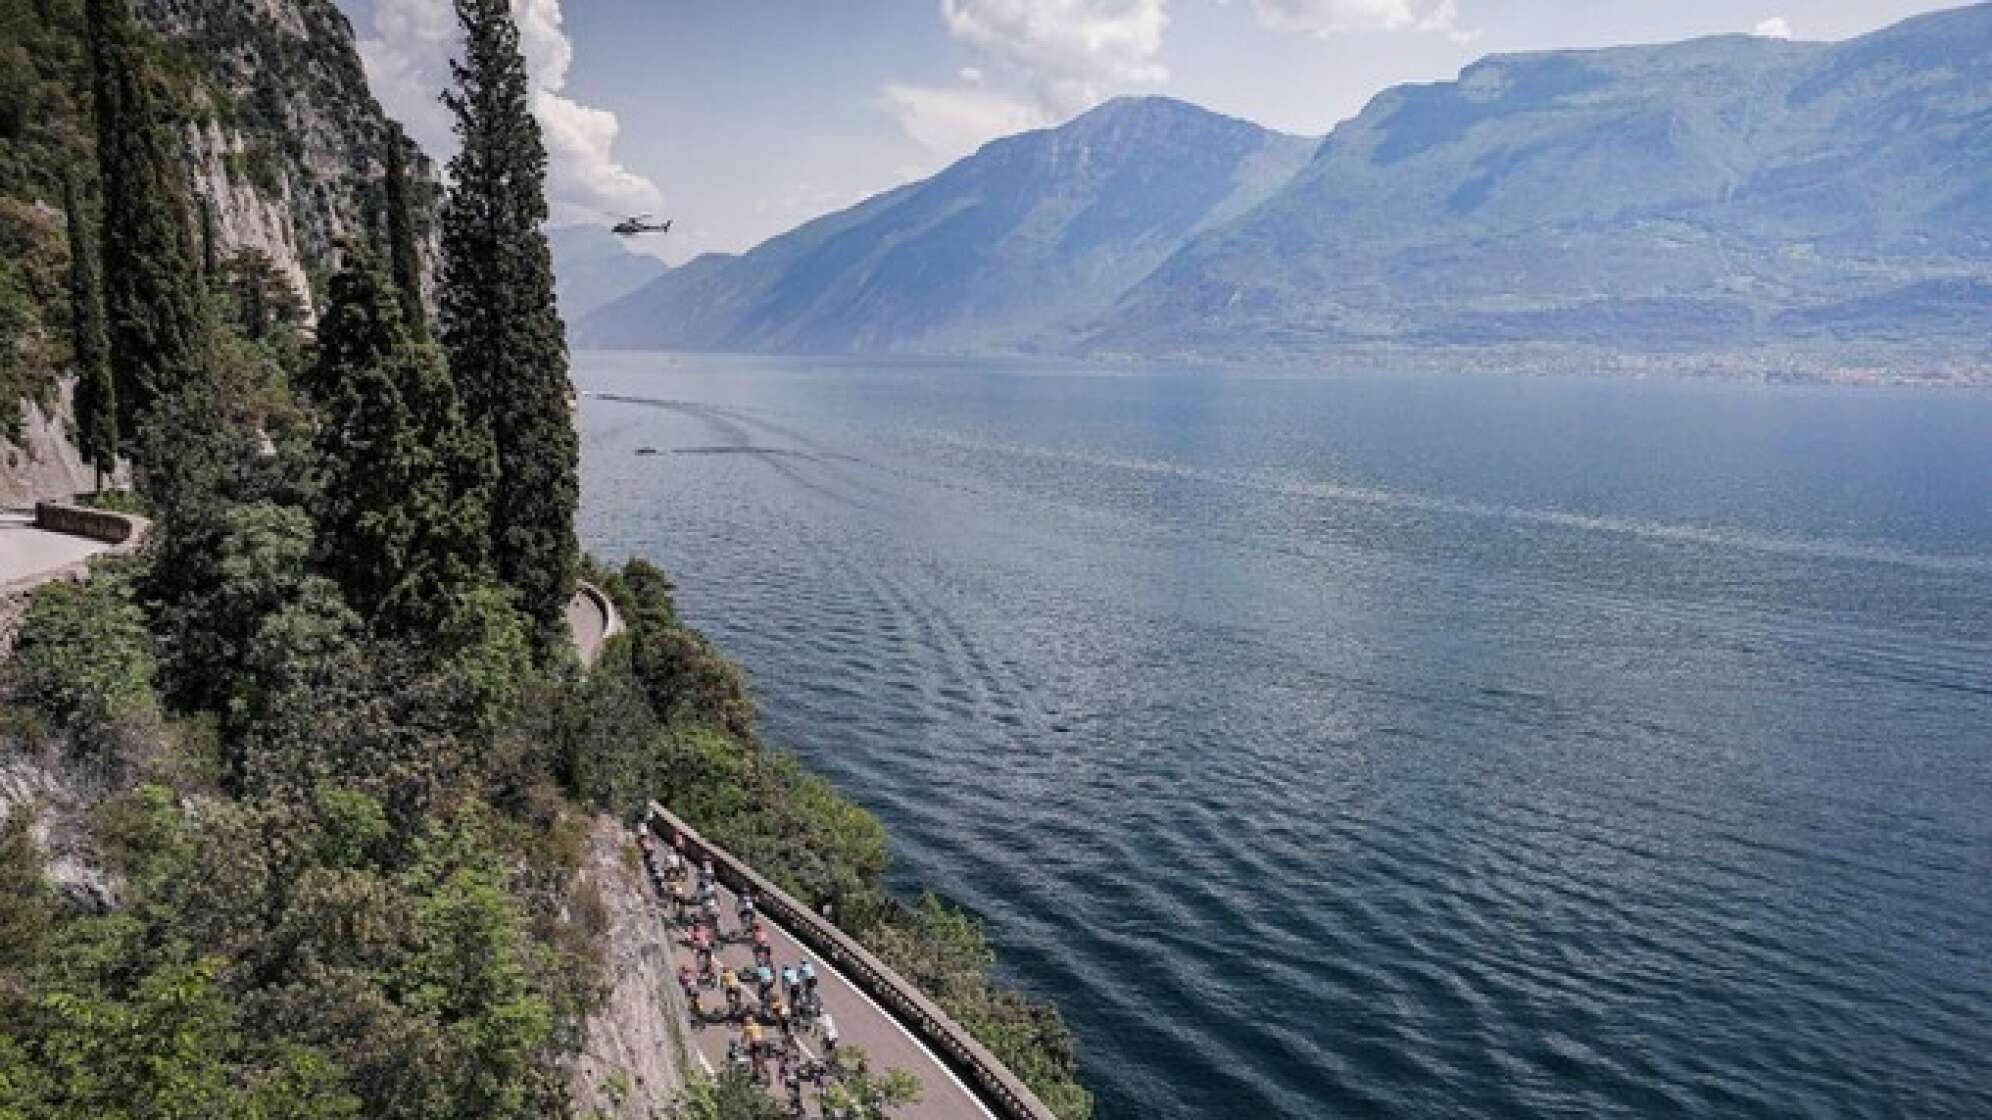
1031,233
593,267
1725,194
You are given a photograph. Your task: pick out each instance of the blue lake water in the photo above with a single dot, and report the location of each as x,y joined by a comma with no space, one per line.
1363,746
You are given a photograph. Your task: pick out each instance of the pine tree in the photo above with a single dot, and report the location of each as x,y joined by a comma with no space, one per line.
96,394
507,346
403,254
400,520
152,282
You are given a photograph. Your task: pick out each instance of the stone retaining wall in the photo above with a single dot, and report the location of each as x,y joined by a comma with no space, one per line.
96,524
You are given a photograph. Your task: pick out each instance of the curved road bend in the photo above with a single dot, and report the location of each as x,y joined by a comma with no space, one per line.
592,620
860,1022
28,553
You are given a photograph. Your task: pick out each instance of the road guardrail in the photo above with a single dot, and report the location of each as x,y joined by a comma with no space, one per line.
985,1075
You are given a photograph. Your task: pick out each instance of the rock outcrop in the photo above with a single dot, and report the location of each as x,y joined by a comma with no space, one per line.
635,1056
44,465
60,794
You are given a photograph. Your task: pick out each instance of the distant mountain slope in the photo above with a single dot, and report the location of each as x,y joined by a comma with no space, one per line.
1031,232
1718,194
592,267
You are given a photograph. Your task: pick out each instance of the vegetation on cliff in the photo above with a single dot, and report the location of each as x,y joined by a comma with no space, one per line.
333,897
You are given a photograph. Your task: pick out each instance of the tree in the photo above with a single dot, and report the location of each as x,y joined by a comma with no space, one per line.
403,254
401,518
262,296
506,344
96,394
152,282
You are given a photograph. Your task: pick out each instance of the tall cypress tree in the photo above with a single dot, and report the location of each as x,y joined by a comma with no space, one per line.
152,282
403,255
96,394
507,346
401,515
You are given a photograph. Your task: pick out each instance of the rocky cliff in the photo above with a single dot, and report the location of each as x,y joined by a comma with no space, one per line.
635,1055
286,140
285,145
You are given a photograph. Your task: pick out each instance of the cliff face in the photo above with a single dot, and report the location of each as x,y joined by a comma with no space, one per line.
286,150
287,145
44,464
634,1058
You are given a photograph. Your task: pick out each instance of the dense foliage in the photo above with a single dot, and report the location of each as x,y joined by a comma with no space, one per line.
404,255
319,910
507,347
152,281
401,514
89,334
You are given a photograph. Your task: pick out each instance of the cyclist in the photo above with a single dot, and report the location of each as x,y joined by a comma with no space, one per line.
762,951
792,1078
778,1010
827,1027
744,907
729,982
701,940
764,981
792,981
808,972
755,1051
691,985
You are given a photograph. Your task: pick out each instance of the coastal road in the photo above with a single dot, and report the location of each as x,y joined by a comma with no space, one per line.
28,553
593,620
860,1023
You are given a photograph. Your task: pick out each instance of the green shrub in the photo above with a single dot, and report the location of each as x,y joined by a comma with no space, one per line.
492,658
84,657
942,950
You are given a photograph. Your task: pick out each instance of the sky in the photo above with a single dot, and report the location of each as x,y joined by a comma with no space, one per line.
741,119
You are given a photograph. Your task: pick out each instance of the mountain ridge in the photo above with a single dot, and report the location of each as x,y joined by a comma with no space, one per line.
1731,203
1032,230
1697,198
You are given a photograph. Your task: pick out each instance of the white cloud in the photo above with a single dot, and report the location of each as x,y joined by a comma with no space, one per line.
1335,17
954,122
407,58
1070,53
1777,27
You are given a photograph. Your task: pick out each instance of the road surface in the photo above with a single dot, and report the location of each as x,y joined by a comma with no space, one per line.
28,553
860,1023
592,619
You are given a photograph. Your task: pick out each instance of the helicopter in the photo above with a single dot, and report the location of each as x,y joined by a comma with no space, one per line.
635,224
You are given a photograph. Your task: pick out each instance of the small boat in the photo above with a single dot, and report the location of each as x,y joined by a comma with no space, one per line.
646,451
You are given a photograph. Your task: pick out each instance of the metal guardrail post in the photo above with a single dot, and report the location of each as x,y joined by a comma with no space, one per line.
986,1075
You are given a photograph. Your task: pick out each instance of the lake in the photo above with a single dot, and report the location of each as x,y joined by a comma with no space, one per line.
1373,746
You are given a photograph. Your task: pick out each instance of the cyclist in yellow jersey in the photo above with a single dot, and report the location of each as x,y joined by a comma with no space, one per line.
729,982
